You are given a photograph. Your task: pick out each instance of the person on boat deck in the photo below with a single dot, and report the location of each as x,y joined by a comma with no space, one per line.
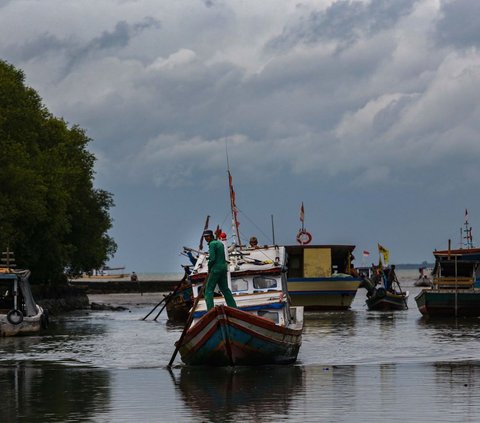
133,277
391,278
354,272
253,242
217,271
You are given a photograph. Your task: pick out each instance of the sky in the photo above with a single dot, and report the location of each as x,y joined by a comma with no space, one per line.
366,111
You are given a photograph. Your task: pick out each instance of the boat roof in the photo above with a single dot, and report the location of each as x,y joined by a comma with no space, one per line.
266,259
8,273
467,253
333,247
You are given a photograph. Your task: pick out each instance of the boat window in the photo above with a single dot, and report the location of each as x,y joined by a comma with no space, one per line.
239,284
261,282
449,269
6,297
268,314
295,266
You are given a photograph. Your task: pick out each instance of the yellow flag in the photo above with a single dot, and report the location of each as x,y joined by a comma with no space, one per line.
384,252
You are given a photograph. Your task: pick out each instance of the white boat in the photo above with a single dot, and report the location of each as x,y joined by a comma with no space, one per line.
19,314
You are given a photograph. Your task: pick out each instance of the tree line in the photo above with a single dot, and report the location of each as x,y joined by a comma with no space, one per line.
51,215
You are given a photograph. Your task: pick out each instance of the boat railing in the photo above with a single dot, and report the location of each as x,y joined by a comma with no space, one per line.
452,282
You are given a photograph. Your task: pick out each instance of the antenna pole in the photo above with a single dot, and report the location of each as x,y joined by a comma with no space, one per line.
233,206
273,231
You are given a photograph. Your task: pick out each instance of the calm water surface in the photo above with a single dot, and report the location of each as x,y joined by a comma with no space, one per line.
106,366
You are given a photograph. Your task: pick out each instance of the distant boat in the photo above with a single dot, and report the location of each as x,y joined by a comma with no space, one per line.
423,279
456,282
180,303
381,295
106,272
19,314
384,300
319,276
456,285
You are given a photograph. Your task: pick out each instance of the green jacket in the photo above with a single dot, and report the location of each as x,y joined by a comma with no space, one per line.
216,257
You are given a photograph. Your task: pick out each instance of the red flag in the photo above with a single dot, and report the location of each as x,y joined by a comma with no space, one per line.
366,253
302,214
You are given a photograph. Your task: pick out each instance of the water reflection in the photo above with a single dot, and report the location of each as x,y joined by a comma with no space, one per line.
47,392
330,321
220,394
39,393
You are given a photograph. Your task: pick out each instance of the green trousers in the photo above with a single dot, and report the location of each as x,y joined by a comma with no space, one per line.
218,278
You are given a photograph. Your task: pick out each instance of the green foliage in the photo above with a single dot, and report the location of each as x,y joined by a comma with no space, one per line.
51,215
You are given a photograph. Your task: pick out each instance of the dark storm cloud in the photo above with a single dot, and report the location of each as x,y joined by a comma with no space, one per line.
110,40
459,24
74,50
121,34
343,22
42,45
351,101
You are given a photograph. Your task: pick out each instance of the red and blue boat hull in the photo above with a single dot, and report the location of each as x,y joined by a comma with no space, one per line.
227,336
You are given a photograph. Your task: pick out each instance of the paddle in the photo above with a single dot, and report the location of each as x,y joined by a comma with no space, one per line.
401,292
164,298
189,322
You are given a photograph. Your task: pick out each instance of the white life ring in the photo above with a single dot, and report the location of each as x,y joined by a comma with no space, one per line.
304,237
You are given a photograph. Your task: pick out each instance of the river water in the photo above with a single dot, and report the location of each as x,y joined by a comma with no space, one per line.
356,365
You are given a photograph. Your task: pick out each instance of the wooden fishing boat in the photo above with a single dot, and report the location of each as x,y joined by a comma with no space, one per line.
456,285
19,314
382,294
456,281
423,279
384,300
106,273
178,308
320,276
264,329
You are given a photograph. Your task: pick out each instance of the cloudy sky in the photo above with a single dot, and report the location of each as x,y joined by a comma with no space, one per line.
368,111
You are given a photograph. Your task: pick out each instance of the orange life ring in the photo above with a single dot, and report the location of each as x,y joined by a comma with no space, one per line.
304,237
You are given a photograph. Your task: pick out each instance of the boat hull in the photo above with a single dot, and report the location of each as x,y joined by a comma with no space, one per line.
323,293
227,336
178,309
28,326
448,302
387,301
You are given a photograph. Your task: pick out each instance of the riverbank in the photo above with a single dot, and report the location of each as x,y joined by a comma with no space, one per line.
60,298
91,286
128,300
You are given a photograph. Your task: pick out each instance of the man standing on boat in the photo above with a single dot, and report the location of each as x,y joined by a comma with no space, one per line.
391,278
217,271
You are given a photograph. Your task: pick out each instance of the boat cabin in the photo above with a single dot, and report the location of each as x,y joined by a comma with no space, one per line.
315,261
457,268
15,294
257,280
